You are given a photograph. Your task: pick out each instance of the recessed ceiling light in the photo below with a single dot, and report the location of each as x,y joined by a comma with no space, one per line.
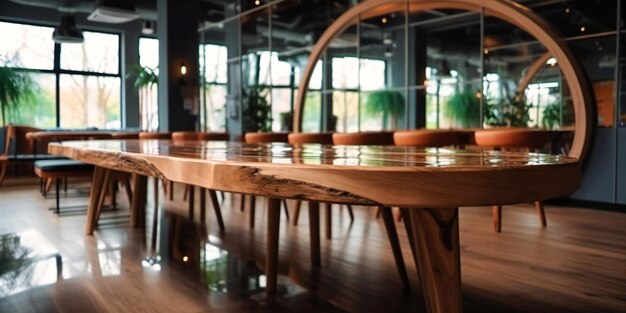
582,28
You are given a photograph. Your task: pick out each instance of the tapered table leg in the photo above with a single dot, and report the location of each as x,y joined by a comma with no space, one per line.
390,226
94,198
436,237
140,187
271,257
314,232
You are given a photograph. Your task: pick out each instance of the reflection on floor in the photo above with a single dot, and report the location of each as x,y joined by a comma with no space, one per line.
178,265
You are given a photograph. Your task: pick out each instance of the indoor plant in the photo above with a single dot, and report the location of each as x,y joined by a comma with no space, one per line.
16,86
257,111
509,112
464,109
385,103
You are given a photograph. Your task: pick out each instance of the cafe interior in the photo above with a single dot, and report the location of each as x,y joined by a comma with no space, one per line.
312,156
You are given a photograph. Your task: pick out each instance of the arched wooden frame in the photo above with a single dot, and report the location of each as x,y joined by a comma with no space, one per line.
532,71
508,11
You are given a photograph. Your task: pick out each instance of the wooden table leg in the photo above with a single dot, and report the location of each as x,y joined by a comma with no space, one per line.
94,198
140,187
436,236
217,209
395,245
296,212
314,232
329,220
271,257
202,205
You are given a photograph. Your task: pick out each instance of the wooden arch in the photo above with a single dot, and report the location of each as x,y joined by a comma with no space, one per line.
506,10
532,71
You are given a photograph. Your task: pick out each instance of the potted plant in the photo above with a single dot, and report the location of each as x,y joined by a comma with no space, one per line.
464,109
387,104
257,111
145,81
16,86
553,114
509,112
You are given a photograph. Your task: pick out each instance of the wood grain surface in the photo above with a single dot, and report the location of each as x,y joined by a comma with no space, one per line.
341,174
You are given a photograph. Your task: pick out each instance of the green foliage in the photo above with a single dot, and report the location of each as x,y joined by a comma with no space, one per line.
387,104
551,116
16,88
510,112
257,111
146,76
464,109
14,261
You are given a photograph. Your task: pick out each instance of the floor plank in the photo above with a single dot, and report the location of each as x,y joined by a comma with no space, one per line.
576,264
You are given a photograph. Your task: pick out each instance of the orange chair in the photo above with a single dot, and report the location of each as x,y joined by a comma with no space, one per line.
377,138
256,138
125,135
364,138
315,138
190,189
155,135
266,137
424,138
520,139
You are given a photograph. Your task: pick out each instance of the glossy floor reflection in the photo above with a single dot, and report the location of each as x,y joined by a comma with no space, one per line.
575,265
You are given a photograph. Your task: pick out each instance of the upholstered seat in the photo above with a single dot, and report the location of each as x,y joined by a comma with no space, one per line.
517,139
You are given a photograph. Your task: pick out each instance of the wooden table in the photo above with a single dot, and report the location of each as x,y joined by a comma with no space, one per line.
428,184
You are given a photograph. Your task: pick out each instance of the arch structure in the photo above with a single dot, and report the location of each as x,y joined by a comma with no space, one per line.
505,10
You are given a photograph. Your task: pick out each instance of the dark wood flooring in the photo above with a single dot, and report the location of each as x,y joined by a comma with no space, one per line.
577,264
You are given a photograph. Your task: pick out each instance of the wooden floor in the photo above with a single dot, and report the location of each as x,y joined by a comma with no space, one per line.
577,264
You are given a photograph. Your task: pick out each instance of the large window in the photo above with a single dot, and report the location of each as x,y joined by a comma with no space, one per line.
213,93
87,78
351,109
148,92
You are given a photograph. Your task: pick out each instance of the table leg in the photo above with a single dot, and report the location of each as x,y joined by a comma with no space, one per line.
436,238
390,227
314,232
140,186
94,197
271,257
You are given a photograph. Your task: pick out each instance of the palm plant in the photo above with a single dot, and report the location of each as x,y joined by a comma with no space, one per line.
387,104
16,86
464,109
145,81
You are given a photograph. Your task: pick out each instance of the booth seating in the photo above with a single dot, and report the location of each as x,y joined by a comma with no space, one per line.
61,169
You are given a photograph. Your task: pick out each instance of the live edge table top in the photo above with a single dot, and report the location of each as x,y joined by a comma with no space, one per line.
376,175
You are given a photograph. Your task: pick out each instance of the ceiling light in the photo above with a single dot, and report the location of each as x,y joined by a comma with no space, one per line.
384,20
115,12
148,28
67,32
582,28
551,61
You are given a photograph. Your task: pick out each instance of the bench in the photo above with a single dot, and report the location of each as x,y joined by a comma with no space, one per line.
61,169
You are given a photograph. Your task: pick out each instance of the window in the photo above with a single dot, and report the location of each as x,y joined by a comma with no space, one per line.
213,94
350,94
88,78
27,45
148,95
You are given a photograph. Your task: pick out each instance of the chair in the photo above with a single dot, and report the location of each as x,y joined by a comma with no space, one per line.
61,169
256,138
190,189
513,139
424,138
378,138
125,135
364,138
155,135
315,138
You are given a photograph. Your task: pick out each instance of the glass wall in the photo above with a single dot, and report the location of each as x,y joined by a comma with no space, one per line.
86,76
